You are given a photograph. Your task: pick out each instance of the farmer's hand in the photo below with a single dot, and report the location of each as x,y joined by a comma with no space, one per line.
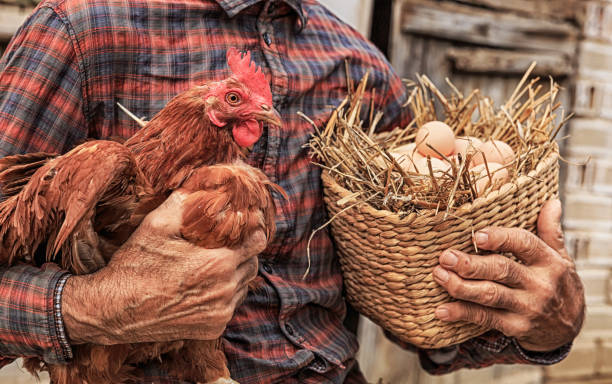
159,287
539,302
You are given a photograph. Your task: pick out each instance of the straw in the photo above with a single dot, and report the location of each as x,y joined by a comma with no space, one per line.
362,161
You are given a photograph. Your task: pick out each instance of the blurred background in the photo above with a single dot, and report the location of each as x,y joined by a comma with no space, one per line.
488,44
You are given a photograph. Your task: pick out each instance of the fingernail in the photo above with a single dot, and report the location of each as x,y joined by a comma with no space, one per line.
449,259
481,238
441,274
442,313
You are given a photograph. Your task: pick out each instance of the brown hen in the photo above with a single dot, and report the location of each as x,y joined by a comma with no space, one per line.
78,208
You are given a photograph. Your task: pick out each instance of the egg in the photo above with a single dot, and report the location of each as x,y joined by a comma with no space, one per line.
404,160
380,161
499,176
438,166
409,150
437,134
454,159
466,144
494,151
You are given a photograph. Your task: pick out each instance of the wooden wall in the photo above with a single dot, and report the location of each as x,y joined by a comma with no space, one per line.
486,44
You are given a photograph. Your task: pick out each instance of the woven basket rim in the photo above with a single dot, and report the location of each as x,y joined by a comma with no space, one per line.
491,197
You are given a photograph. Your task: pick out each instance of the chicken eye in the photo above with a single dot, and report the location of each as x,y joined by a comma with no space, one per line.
233,98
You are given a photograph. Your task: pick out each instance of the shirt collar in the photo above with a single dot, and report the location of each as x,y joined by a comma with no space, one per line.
234,7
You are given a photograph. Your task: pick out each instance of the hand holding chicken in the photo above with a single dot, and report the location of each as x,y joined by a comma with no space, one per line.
84,210
195,299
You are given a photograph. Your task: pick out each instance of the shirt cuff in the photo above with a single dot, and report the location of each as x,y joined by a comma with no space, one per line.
543,358
28,316
485,350
500,343
59,320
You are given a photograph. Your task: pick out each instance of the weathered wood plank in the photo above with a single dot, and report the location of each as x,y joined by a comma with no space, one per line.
554,9
498,61
22,3
462,23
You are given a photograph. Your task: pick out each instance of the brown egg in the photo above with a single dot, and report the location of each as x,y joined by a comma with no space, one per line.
499,176
438,135
495,151
466,144
438,166
409,150
417,156
404,160
454,159
380,162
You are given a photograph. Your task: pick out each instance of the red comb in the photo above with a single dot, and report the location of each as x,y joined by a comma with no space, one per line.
249,73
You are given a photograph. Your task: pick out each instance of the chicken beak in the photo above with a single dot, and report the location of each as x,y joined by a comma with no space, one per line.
269,115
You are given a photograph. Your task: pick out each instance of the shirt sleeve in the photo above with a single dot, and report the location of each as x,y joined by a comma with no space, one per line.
480,352
41,109
41,102
28,316
483,351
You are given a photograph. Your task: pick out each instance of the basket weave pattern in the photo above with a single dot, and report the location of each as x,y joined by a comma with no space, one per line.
387,260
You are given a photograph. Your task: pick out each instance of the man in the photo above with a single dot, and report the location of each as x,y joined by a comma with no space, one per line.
61,78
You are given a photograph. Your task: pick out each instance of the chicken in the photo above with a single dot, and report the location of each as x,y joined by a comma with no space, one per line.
78,208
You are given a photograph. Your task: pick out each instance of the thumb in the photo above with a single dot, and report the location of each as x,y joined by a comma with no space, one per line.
168,217
549,226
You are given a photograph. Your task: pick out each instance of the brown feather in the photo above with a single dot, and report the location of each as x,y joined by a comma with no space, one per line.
15,171
61,196
179,140
229,204
213,364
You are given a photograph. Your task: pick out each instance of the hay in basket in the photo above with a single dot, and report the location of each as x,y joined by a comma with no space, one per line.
390,225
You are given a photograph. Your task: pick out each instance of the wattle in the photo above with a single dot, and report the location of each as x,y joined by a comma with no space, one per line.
247,132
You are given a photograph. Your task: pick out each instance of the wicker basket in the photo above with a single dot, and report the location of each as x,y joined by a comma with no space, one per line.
387,260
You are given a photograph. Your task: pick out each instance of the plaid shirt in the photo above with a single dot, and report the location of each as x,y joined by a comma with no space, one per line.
73,60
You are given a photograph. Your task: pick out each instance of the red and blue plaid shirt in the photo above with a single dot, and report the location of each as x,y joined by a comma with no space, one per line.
73,60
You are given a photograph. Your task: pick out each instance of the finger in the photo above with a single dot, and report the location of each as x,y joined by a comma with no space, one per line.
167,218
509,324
549,226
253,245
246,272
239,298
521,243
492,267
487,293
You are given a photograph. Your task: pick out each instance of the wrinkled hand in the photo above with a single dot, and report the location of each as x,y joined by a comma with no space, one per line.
159,287
539,302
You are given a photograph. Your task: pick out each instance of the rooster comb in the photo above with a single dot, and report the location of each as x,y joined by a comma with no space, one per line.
249,73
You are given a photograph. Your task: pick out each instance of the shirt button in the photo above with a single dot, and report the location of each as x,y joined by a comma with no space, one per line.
267,267
289,329
266,38
318,364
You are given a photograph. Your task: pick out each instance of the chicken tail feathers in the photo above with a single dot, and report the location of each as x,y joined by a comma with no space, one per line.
97,176
59,205
16,171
